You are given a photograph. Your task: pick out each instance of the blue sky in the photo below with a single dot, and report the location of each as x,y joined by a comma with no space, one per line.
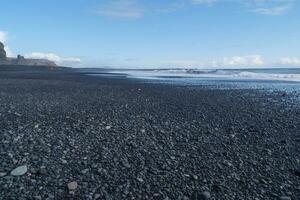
156,33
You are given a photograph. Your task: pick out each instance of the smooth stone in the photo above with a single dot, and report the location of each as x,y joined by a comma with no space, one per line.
19,171
140,179
42,171
72,185
285,198
84,171
64,161
2,174
38,198
205,195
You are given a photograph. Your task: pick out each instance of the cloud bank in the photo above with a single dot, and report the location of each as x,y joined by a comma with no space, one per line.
243,61
54,57
3,39
248,61
272,11
286,61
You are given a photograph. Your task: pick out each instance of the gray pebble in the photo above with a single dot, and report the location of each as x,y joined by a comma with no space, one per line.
19,171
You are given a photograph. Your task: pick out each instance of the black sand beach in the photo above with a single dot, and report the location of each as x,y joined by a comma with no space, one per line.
83,137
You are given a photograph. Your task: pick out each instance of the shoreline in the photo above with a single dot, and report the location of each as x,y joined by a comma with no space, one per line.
123,139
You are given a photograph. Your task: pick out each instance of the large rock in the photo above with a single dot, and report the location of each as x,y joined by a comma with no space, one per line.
3,57
19,171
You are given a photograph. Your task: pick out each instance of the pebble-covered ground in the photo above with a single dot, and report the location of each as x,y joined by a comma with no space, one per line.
68,136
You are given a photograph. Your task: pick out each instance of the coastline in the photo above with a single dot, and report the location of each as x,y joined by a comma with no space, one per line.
123,139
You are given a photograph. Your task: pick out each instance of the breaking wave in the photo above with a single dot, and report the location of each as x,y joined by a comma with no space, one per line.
254,74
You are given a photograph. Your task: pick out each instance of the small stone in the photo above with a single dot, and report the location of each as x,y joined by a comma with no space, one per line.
269,152
42,171
140,179
72,185
125,163
97,196
19,171
205,195
84,171
64,161
195,177
217,187
17,114
285,198
33,170
38,197
108,127
2,174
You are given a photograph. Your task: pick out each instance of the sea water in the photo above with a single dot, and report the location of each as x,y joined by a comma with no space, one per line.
281,79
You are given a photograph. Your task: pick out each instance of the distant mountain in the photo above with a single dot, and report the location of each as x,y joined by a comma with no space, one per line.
20,60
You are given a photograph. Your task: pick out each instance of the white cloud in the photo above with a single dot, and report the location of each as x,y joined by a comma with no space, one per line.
9,53
272,11
249,61
53,57
3,39
243,61
294,62
133,9
263,7
3,36
49,56
121,9
228,62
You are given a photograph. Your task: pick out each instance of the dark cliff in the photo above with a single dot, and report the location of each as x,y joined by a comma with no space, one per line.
20,60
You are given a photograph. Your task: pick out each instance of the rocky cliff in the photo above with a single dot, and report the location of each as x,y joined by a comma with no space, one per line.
3,57
20,60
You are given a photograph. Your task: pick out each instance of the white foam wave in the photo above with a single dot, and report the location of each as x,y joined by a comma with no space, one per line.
266,76
225,74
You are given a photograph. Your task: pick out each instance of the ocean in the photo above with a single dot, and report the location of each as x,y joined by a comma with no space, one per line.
278,79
